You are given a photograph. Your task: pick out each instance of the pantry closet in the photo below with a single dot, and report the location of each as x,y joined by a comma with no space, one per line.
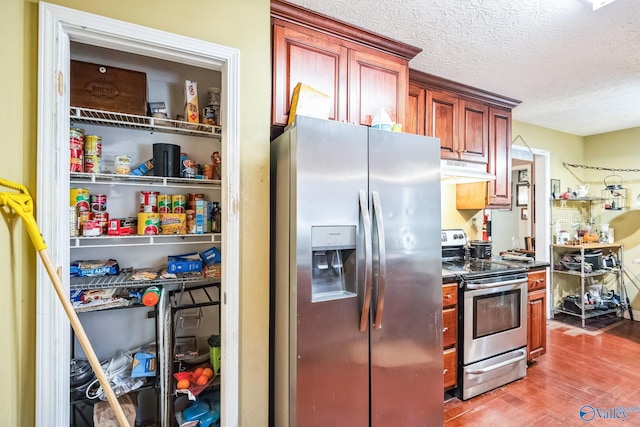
66,35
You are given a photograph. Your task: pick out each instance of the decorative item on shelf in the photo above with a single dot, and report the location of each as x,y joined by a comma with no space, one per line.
555,189
614,194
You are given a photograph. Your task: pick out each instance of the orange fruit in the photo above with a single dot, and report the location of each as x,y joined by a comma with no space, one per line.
197,372
183,384
207,372
202,380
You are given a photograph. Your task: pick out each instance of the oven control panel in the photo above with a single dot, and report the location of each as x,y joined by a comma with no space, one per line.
454,237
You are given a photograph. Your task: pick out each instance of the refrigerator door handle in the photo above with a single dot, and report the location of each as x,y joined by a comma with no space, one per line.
382,259
366,225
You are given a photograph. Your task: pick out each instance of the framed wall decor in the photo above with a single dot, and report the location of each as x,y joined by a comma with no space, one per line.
522,195
523,175
524,214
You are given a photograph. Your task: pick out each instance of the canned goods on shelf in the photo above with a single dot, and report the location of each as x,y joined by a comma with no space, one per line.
76,138
93,145
91,163
103,219
178,203
122,164
148,223
98,203
165,203
74,230
79,198
91,228
148,201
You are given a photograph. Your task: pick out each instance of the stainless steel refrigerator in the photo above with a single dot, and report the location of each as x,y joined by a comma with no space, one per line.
357,277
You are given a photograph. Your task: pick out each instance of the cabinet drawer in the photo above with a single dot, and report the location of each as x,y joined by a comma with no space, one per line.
449,295
450,363
537,280
449,327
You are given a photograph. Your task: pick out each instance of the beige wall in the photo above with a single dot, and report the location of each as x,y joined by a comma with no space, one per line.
242,24
619,150
563,147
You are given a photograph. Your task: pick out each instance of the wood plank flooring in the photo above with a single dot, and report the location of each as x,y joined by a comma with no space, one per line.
582,368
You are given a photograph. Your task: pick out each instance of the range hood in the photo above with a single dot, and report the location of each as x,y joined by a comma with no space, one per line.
457,172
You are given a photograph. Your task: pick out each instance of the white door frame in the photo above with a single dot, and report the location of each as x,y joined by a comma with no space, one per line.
58,27
542,175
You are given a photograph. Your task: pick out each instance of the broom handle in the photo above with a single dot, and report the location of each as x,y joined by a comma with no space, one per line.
84,340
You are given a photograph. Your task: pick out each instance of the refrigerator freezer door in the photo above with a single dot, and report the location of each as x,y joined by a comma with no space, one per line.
406,352
323,369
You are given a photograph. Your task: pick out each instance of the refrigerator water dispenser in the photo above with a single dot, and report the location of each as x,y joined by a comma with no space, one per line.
333,264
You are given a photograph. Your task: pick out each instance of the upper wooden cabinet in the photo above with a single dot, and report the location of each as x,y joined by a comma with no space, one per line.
361,71
473,125
499,195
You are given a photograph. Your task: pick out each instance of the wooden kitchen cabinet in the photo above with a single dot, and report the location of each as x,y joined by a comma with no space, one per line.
461,125
361,71
473,125
450,334
536,314
499,195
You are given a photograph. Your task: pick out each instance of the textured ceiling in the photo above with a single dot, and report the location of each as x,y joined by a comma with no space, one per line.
574,69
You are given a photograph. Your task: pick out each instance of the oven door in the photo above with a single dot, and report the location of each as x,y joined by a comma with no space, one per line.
495,317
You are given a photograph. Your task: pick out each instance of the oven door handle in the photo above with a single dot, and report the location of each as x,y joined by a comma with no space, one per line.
497,365
382,260
474,286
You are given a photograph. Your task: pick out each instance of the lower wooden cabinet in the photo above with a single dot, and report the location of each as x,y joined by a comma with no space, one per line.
536,315
450,334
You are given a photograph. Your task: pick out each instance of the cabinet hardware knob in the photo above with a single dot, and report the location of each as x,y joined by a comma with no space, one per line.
444,371
448,296
445,329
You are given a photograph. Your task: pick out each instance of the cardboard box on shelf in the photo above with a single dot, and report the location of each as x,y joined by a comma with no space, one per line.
307,101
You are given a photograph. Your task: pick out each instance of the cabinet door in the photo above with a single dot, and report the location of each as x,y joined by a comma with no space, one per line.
536,324
414,118
474,131
442,122
500,157
450,359
449,327
376,81
315,59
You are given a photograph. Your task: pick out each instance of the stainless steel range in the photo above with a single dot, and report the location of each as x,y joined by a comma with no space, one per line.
493,317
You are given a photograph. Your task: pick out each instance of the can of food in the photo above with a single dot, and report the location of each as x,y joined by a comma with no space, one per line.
189,168
191,221
148,201
192,198
91,228
93,145
74,231
84,216
98,203
165,202
148,223
76,160
122,164
76,138
207,170
91,163
79,199
178,203
103,219
76,149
